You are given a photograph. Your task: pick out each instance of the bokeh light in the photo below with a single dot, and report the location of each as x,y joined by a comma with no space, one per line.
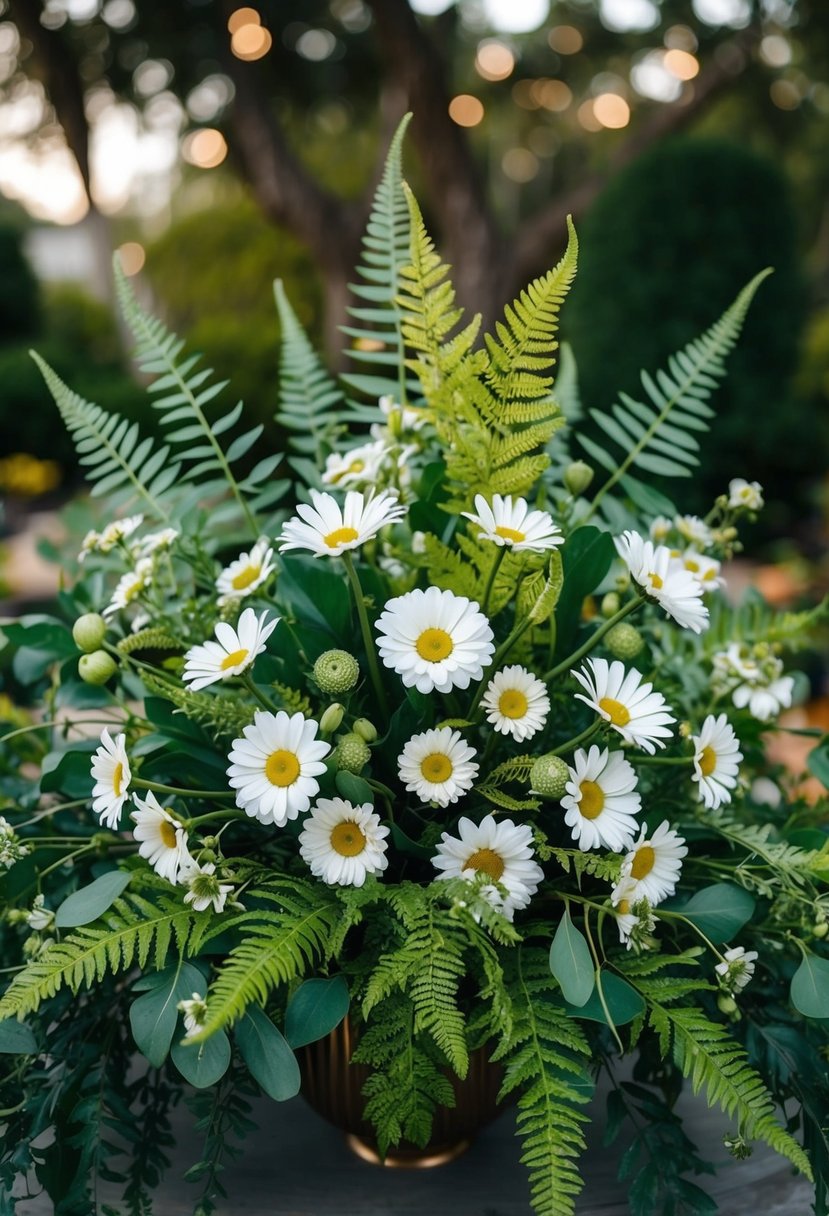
132,257
250,42
785,94
680,38
516,16
316,45
650,78
466,110
205,148
494,60
611,110
681,64
586,116
552,95
736,13
775,51
519,164
624,16
243,16
565,39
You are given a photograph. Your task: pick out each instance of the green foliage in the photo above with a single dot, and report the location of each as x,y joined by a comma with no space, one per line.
224,717
571,962
810,987
316,1008
19,294
546,1057
267,1053
222,1116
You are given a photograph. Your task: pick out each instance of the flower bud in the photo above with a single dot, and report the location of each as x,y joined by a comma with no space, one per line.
352,753
210,842
577,477
206,856
549,776
624,641
610,604
365,729
336,671
89,631
96,668
726,1004
821,929
332,718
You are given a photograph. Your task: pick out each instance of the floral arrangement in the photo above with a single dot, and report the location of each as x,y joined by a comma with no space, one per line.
444,729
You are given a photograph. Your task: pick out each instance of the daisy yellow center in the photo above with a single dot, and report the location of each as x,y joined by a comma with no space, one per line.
436,768
623,907
656,581
167,832
434,645
707,761
117,779
282,768
512,703
591,803
618,713
245,577
234,658
356,466
510,534
347,839
692,566
643,862
710,574
341,536
134,590
488,861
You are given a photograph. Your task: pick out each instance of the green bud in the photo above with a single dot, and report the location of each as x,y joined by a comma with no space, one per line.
624,641
726,1004
89,631
610,605
211,842
336,671
820,930
352,753
577,477
365,729
206,856
96,668
549,776
332,718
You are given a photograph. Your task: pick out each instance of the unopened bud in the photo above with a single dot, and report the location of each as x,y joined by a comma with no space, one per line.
336,671
89,631
96,668
332,718
610,604
353,753
211,842
726,1004
365,729
577,477
549,776
821,929
624,641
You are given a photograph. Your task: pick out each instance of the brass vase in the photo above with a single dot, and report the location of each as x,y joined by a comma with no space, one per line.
332,1085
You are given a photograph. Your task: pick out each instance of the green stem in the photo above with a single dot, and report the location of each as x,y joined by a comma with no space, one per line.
225,814
500,654
365,629
595,637
256,693
493,573
586,734
157,788
665,759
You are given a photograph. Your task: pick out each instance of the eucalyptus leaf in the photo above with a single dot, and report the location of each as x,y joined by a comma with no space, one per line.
203,1064
268,1055
818,762
720,911
16,1038
810,987
153,1016
571,962
623,1002
316,1008
90,902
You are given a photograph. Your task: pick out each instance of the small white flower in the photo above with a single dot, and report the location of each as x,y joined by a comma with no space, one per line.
516,702
118,530
400,417
111,771
510,522
694,530
162,839
247,573
660,529
601,802
662,578
274,767
328,529
11,848
499,849
234,651
195,1013
639,714
655,864
765,702
205,889
738,663
89,544
130,586
343,843
40,918
357,467
434,639
155,542
737,968
748,494
706,570
437,766
717,759
626,919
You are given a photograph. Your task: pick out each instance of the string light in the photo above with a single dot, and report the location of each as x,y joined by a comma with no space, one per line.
466,110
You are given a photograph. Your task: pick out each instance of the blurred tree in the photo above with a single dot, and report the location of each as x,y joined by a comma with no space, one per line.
19,294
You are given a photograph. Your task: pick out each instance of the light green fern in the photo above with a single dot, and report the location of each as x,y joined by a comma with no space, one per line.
225,716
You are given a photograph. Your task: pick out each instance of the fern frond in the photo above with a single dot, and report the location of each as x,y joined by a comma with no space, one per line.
225,716
309,400
115,460
659,435
133,930
713,1061
604,866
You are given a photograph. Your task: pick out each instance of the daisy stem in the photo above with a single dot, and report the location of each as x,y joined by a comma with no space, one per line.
256,692
599,988
664,759
595,637
500,654
365,629
157,788
663,912
574,742
493,574
223,814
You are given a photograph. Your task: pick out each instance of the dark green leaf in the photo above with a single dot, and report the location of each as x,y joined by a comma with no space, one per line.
587,556
92,901
315,1009
720,911
69,772
16,1038
153,1015
810,987
818,762
203,1064
268,1055
354,788
623,1002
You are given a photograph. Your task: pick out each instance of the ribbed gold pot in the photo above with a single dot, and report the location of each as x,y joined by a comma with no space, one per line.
332,1085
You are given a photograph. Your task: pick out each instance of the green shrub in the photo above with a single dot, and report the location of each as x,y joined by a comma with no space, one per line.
19,297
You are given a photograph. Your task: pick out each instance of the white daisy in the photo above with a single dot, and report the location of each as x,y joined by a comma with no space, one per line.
673,587
748,494
358,466
273,768
654,863
717,759
660,529
510,522
205,889
111,770
130,586
118,530
434,639
162,839
601,802
194,1011
516,702
639,714
233,652
437,766
767,701
247,573
706,570
343,843
400,417
328,529
89,544
738,662
694,530
155,542
626,919
499,849
737,968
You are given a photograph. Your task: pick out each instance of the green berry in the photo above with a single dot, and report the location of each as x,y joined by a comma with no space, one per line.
336,671
821,929
549,776
365,729
624,641
89,631
577,477
96,668
353,753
